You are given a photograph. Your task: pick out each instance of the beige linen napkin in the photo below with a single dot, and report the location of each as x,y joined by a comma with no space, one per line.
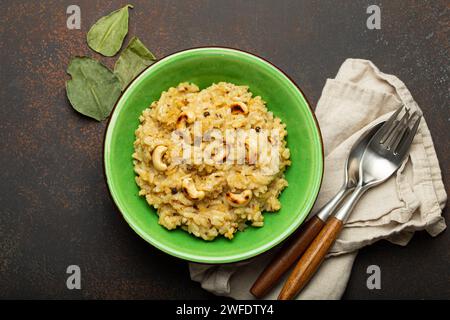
357,98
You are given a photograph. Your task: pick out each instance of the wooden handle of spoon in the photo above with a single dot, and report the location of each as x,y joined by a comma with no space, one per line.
287,256
311,260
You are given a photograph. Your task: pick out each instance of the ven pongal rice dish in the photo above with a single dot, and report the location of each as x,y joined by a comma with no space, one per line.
210,161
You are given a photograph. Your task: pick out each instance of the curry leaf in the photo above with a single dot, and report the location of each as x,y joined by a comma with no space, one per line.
107,34
135,58
93,89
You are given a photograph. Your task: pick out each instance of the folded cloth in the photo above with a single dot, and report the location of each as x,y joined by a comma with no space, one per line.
360,96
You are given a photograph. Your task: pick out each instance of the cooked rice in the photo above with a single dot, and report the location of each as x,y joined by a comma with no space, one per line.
212,215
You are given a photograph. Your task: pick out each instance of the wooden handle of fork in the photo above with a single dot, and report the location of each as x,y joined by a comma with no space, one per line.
311,259
288,255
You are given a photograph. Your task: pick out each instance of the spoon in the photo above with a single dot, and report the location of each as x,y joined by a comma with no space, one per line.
301,239
382,157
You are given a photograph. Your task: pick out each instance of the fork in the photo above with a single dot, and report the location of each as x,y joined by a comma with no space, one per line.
293,249
384,154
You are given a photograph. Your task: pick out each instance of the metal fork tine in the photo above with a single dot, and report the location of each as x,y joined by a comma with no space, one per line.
403,147
388,131
398,131
390,124
403,131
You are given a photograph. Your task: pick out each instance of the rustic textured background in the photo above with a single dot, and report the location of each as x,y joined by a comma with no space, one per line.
54,204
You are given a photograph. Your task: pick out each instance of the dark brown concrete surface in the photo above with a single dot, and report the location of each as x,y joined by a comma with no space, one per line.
54,205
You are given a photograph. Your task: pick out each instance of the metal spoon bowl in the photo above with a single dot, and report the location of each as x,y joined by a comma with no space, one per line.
351,174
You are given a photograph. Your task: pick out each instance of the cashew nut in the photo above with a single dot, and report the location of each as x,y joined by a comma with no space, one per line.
251,147
189,188
239,108
157,155
221,155
273,141
239,199
185,117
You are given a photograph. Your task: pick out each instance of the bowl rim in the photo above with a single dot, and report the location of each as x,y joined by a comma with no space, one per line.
199,258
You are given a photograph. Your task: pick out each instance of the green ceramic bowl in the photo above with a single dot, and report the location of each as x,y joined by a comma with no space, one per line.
204,66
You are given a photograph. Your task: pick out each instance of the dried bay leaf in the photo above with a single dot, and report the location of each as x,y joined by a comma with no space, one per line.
135,58
107,34
93,89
